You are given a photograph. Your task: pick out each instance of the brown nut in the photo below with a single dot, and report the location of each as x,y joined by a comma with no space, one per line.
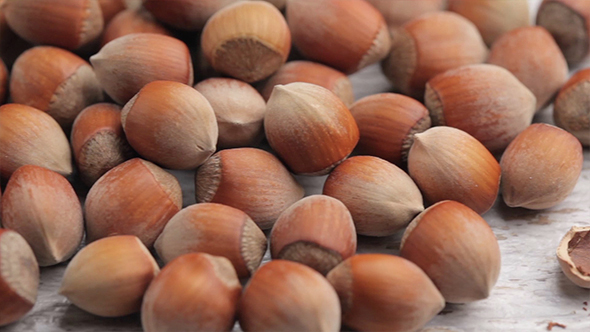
214,229
134,198
171,124
309,127
572,255
429,45
347,35
185,15
42,206
317,231
55,81
194,292
399,12
381,198
132,21
568,21
486,101
532,55
110,8
109,277
314,73
239,110
64,23
31,137
493,18
98,141
449,164
384,292
387,123
247,40
541,167
3,81
288,296
19,277
251,180
127,63
571,110
456,248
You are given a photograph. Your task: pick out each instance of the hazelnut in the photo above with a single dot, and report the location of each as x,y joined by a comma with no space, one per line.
248,179
239,110
55,81
3,82
134,198
185,15
429,45
98,141
288,296
19,277
317,231
381,197
65,23
309,127
110,8
280,4
315,73
196,292
132,21
42,206
387,123
347,35
171,124
397,13
126,64
532,55
485,101
493,18
109,277
215,229
456,248
449,164
540,167
571,111
29,136
568,21
247,40
572,255
384,292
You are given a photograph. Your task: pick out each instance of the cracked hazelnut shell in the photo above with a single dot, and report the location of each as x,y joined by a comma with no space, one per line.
572,255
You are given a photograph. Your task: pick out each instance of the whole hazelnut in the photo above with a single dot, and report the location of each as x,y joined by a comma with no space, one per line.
214,229
532,55
381,197
134,198
248,40
19,277
288,296
239,110
185,15
571,110
314,73
572,255
170,123
3,82
449,164
196,292
429,45
568,21
248,179
98,141
397,13
42,206
456,248
309,127
126,64
55,81
485,101
65,23
132,21
387,123
31,137
347,35
384,292
109,277
540,167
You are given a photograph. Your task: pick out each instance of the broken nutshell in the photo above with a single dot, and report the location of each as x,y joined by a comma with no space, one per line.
573,255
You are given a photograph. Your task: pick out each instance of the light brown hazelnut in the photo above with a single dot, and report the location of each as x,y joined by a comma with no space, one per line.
399,12
132,21
571,110
185,15
572,255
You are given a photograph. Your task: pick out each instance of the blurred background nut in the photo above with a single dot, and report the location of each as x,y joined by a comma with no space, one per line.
398,12
132,21
3,82
381,197
571,110
346,35
572,255
185,14
55,81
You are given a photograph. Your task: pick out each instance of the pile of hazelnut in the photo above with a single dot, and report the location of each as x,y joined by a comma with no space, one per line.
132,111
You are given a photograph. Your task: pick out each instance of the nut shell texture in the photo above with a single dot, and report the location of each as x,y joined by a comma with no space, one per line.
572,106
572,256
